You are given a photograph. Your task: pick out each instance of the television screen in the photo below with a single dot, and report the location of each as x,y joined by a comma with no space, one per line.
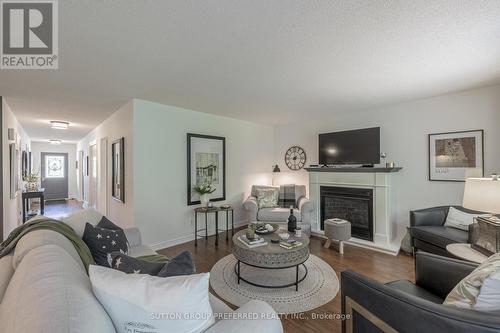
350,147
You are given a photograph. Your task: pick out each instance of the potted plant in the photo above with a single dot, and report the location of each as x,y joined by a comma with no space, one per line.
204,190
31,181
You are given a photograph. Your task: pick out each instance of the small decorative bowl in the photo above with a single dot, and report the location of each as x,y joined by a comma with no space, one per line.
284,236
275,239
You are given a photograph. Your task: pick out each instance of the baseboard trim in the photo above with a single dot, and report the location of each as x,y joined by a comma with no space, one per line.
391,249
187,238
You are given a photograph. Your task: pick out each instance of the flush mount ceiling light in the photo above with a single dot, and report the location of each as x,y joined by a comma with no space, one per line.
59,124
55,142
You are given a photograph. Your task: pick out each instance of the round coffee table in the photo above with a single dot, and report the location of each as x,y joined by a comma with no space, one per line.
271,256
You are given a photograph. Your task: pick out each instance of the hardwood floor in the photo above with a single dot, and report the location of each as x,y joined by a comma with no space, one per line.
60,208
379,266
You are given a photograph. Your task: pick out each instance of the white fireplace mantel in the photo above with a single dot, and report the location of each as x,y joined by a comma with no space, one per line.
384,207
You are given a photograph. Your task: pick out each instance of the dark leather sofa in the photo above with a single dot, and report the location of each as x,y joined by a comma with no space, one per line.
402,306
429,234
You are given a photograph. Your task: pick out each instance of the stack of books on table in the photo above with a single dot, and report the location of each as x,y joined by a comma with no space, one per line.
290,244
258,241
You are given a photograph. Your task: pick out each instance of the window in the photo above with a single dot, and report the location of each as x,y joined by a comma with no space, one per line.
54,166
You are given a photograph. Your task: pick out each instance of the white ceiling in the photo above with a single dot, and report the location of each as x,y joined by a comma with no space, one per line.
269,61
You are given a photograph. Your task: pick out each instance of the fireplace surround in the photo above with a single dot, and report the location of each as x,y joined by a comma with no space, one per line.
382,185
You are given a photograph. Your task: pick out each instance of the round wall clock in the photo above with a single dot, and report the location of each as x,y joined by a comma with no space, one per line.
295,158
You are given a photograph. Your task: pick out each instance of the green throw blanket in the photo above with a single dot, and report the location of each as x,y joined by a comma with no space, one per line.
48,224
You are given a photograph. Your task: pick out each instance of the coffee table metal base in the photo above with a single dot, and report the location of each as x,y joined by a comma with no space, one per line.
237,270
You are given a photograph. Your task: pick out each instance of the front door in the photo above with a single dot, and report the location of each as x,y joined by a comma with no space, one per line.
55,175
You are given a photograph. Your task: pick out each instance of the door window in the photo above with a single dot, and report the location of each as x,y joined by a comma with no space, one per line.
54,166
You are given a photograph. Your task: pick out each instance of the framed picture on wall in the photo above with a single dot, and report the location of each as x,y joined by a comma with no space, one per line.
206,164
14,170
456,156
118,170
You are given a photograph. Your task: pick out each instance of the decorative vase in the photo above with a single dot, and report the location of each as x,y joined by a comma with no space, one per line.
204,199
31,186
250,233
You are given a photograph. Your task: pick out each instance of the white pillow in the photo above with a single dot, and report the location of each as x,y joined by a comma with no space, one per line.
140,302
460,220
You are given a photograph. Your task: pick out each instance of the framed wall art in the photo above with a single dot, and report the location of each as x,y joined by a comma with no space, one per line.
118,170
456,156
206,165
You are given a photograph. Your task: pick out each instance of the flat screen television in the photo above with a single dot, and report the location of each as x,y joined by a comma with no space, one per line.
360,146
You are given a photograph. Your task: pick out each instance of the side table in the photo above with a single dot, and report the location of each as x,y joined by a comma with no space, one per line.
465,252
215,210
26,196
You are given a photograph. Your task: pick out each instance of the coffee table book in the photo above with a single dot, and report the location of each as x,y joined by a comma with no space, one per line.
289,246
244,240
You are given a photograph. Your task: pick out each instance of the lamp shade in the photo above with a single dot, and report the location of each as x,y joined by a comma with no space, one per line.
482,194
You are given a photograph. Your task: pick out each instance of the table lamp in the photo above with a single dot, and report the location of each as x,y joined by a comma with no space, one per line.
276,169
483,194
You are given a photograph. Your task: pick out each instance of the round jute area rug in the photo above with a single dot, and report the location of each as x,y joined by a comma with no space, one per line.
319,287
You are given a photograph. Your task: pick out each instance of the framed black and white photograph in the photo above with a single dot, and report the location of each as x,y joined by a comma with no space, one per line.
14,170
206,167
456,156
118,170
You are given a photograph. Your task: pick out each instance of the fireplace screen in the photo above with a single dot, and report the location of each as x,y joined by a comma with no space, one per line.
352,204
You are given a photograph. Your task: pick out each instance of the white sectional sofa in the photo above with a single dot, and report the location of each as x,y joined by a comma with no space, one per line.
44,287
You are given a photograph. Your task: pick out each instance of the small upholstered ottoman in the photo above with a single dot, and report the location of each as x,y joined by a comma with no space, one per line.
339,230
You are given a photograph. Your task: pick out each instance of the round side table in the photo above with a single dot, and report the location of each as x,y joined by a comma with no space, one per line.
466,252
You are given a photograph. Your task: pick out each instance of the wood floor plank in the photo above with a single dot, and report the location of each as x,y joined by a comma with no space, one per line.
379,266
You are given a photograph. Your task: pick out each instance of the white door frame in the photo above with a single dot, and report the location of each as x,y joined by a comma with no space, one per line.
92,189
81,179
103,177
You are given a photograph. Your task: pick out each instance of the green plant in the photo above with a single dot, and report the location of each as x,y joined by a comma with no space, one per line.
30,177
205,188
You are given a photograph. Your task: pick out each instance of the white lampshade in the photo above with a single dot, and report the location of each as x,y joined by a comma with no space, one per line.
482,194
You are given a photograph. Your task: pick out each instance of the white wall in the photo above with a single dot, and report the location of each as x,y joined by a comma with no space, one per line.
160,165
404,130
12,207
118,125
38,147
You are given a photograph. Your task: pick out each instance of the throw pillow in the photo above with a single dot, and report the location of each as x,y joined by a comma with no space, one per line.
107,224
460,220
102,242
480,290
139,302
131,265
267,198
180,265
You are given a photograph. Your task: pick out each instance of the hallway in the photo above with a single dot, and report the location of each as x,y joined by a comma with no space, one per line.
60,208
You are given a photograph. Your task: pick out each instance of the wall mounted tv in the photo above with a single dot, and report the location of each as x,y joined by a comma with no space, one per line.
360,146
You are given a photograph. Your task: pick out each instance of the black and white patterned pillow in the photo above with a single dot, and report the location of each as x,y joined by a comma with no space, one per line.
131,265
105,223
102,242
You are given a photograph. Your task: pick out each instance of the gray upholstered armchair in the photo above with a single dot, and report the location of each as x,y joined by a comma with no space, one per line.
303,207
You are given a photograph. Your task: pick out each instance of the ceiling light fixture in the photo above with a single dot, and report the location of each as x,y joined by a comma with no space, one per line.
59,124
55,142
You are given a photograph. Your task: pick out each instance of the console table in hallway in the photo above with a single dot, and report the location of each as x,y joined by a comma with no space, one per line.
215,210
26,196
